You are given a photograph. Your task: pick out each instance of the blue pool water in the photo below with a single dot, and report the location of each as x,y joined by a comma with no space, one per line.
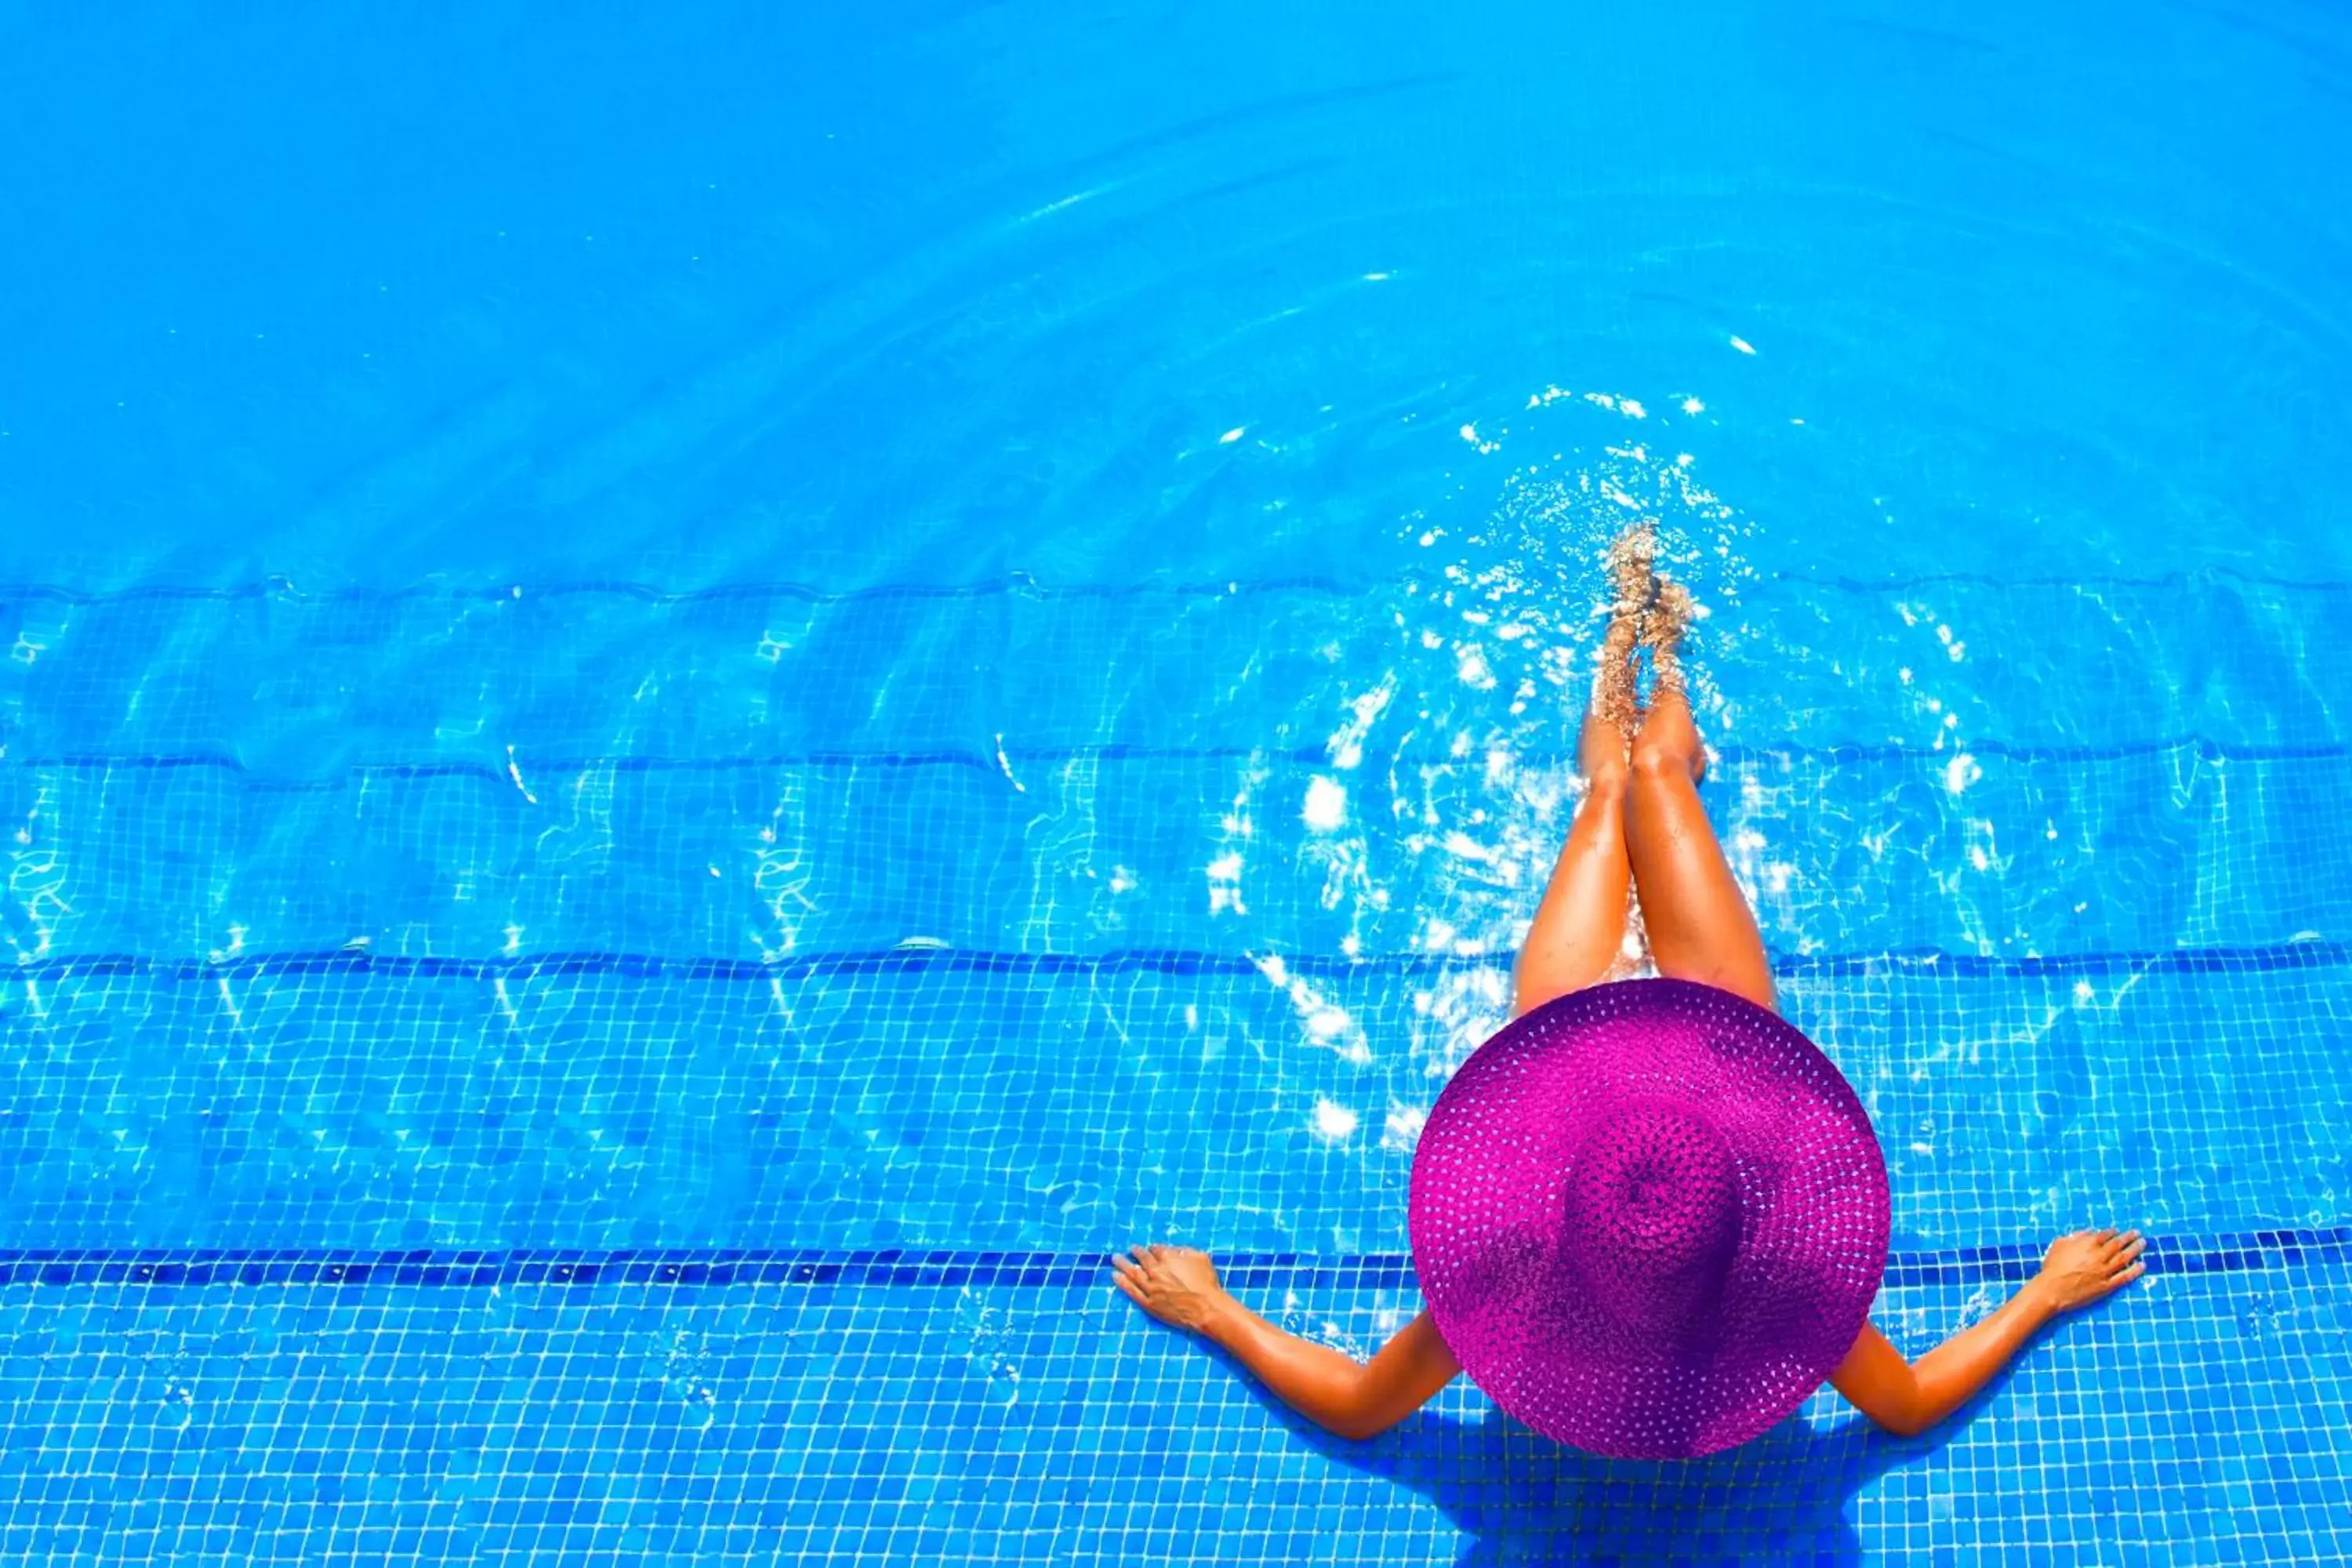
692,704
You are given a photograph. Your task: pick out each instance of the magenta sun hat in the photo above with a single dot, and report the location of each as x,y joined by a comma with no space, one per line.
1649,1218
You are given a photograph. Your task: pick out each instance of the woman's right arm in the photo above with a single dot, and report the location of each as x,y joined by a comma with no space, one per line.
1354,1399
1910,1397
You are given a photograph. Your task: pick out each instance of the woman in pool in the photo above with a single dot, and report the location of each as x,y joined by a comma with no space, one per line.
1640,829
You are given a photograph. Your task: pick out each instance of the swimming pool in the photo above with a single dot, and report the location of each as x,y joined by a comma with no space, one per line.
691,706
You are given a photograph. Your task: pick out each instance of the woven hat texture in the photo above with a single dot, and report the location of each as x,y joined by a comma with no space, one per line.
1650,1218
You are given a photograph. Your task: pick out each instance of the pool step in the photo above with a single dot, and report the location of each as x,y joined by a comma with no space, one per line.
1413,851
298,688
1031,1103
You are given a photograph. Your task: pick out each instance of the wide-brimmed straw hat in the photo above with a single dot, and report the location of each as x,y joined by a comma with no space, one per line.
1649,1218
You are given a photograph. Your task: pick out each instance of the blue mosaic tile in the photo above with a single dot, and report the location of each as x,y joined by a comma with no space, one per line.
379,1103
592,963
699,1416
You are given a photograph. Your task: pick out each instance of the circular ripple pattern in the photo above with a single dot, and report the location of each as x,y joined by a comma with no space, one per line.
1650,1218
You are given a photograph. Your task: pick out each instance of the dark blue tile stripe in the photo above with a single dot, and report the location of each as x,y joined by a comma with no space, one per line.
1019,583
2203,747
497,774
358,962
2236,1253
1025,586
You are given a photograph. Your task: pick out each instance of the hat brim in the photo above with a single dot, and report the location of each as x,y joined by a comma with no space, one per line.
1488,1222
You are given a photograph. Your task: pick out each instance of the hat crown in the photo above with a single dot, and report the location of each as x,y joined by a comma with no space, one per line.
1653,1211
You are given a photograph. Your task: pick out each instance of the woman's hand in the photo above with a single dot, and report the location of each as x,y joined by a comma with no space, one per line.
2080,1268
1174,1284
1179,1287
1909,1398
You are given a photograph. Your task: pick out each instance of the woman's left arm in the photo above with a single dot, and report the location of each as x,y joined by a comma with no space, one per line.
1352,1398
1908,1398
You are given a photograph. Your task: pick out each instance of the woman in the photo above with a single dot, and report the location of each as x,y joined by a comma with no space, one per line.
1640,829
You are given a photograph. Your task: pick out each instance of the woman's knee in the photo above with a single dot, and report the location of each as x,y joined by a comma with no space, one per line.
1665,758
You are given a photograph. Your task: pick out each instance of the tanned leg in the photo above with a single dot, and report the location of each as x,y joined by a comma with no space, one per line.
1699,924
1578,933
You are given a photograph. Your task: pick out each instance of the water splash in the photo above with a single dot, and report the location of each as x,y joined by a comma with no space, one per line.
986,1333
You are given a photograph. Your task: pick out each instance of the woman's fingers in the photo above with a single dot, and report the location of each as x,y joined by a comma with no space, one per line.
1122,1266
2124,1261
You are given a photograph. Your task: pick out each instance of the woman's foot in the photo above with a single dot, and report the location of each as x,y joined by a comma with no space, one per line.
1672,610
1633,566
1615,708
1668,736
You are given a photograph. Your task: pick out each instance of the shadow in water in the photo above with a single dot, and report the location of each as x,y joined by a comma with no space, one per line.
1524,1498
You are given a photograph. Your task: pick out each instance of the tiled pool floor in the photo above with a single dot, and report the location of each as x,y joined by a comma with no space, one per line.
506,1416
